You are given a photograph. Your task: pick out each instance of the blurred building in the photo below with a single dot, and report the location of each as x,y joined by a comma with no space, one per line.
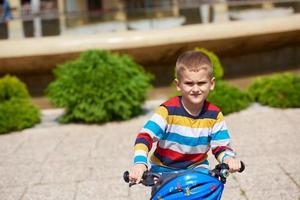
248,36
35,18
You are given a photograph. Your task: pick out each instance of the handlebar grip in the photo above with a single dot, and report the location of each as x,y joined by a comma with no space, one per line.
242,167
126,176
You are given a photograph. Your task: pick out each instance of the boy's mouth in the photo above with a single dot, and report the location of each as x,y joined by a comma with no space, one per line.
195,95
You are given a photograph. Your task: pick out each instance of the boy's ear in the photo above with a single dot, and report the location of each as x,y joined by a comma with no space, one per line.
213,82
176,82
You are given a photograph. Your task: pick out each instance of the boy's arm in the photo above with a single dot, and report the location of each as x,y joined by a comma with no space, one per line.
152,131
220,143
220,140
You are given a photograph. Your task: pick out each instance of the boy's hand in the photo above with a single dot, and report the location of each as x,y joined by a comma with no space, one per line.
233,163
136,173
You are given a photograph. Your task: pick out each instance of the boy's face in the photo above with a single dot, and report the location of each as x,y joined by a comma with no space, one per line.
195,86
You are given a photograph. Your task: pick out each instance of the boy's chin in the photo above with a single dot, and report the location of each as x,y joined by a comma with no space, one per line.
196,101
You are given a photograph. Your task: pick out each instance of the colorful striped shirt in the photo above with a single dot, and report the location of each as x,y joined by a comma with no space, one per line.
183,140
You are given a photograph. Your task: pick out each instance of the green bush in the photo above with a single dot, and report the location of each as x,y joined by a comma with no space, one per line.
99,86
229,98
12,88
278,90
217,66
16,109
16,115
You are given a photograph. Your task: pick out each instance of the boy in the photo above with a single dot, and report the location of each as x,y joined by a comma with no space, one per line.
185,127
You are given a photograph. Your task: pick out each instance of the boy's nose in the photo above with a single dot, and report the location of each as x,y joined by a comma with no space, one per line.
195,88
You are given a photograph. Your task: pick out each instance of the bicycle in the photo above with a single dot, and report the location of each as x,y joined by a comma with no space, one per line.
189,184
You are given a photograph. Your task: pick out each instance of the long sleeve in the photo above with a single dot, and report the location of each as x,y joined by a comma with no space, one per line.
220,140
152,131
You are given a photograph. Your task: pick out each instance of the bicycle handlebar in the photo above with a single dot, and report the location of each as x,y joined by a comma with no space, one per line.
148,178
242,167
126,176
221,171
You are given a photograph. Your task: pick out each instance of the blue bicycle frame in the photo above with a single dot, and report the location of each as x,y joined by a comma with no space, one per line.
190,185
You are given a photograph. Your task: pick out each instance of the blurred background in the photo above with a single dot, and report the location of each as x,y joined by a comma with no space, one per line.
52,154
251,37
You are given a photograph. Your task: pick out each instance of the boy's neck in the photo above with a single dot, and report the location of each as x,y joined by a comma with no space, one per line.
192,109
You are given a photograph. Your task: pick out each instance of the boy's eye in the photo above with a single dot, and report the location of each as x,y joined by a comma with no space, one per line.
188,83
201,83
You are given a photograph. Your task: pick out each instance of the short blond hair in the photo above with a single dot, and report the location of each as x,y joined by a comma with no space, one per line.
193,61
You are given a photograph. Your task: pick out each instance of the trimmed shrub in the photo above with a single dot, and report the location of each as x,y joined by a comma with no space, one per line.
17,115
98,87
278,90
217,66
229,98
12,88
16,109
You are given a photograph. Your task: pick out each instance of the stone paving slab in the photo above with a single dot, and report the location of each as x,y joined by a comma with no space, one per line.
81,162
51,191
12,193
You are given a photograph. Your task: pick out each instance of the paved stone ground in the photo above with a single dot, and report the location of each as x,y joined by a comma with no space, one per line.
86,162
